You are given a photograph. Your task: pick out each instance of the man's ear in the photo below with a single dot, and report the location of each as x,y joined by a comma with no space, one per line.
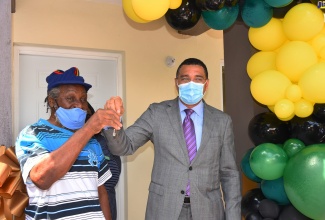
51,102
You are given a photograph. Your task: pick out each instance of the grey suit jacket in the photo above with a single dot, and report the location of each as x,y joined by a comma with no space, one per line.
214,165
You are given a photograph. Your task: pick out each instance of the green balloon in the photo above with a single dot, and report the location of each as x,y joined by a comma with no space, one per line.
293,146
304,181
278,3
221,19
268,161
256,13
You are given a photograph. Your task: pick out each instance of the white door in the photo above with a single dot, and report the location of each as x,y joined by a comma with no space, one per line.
33,64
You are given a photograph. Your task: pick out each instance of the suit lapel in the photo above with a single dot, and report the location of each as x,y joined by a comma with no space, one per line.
176,123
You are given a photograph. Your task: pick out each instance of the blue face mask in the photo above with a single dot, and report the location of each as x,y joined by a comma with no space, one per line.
191,93
73,118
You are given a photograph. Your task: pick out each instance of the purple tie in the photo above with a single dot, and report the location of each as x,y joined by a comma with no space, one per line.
189,134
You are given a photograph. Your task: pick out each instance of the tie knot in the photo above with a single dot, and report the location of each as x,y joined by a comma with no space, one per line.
188,111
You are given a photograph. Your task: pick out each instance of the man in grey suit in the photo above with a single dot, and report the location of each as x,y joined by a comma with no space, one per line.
206,187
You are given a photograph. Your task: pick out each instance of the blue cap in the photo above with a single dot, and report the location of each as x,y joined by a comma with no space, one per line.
70,76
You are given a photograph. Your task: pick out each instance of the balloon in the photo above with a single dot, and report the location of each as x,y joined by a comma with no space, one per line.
184,17
269,209
303,22
287,118
309,130
246,168
294,58
221,19
318,42
319,4
231,3
278,3
290,212
303,108
175,4
293,93
150,10
251,201
274,190
268,37
292,146
212,5
128,10
282,11
269,87
312,83
256,13
304,181
284,108
266,127
319,112
268,160
253,216
261,61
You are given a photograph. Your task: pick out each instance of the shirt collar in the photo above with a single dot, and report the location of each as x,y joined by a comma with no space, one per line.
198,109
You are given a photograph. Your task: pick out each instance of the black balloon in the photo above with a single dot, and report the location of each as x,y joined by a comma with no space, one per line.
290,212
319,112
269,209
267,128
184,17
231,2
251,201
253,216
210,5
309,130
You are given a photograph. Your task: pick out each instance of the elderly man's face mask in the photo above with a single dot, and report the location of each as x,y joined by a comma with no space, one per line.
71,104
71,118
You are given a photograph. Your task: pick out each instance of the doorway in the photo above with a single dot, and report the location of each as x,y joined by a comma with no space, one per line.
103,70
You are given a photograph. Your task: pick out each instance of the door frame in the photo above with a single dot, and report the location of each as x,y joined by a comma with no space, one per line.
73,53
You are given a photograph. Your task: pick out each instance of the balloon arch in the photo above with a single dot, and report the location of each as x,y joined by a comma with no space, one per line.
287,76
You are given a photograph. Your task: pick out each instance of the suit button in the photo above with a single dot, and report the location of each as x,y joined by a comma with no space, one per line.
190,168
182,192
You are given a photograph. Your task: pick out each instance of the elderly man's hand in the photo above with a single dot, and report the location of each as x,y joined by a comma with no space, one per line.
110,116
115,103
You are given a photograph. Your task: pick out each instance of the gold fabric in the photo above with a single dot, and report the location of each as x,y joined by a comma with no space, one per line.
13,195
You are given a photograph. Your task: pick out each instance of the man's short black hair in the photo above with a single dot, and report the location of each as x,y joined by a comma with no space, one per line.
193,61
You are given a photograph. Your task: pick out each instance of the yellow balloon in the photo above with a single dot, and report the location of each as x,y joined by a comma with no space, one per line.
268,37
284,108
303,108
312,83
322,53
293,93
303,22
288,118
261,61
150,9
269,86
318,42
175,4
294,58
128,10
271,107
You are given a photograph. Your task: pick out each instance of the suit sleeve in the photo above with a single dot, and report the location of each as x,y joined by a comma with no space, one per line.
127,141
230,177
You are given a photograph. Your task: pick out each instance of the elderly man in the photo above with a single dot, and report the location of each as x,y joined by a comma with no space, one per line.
63,167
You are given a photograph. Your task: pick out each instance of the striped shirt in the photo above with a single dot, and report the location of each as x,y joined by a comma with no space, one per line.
75,195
